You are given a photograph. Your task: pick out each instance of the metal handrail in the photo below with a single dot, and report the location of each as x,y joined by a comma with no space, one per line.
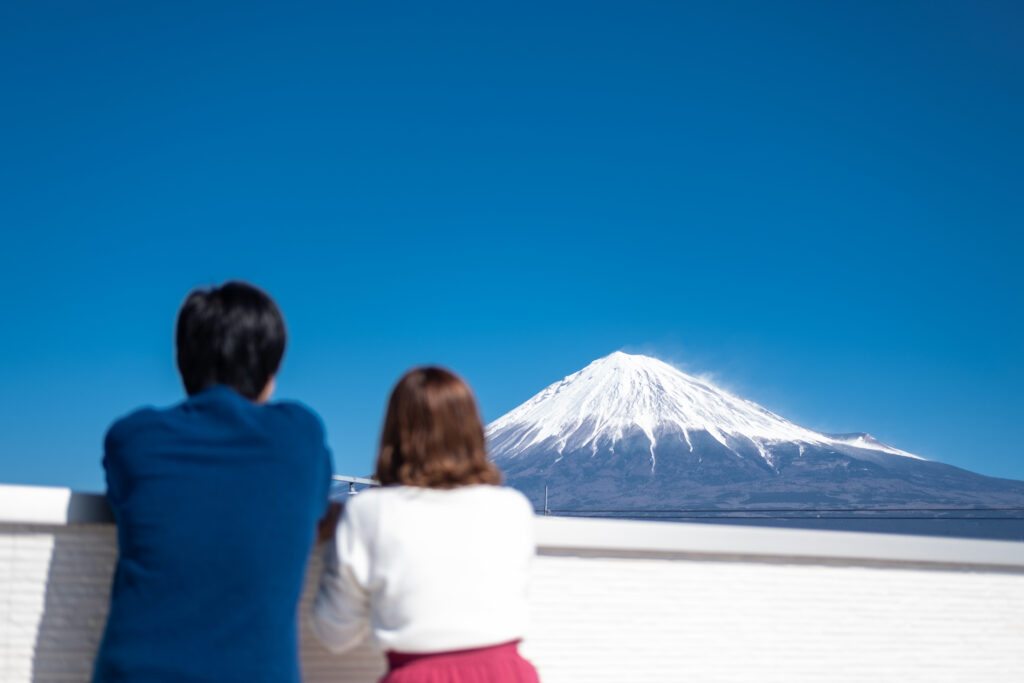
352,481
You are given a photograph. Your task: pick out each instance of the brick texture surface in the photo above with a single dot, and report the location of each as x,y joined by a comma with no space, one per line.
603,619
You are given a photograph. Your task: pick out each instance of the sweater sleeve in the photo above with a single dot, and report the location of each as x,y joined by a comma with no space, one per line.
341,610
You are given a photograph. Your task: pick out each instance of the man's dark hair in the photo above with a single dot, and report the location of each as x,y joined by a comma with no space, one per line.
232,335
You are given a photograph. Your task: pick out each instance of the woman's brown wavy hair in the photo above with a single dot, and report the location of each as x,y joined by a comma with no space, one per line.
432,435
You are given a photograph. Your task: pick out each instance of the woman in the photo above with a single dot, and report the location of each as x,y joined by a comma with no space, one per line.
434,564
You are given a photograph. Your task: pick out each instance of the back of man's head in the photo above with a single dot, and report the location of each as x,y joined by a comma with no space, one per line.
232,335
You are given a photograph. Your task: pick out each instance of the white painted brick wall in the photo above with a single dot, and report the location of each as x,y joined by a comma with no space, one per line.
621,619
614,619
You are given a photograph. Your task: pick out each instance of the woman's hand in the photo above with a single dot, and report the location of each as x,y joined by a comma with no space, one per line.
326,526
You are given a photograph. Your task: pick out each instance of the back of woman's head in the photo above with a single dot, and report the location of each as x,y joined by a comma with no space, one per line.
432,435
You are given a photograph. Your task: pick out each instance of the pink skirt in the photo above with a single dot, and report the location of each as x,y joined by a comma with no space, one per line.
494,664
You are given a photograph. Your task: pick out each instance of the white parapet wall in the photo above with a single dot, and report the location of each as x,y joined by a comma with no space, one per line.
611,601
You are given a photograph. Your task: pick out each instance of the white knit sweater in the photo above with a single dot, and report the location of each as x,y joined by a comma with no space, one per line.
427,570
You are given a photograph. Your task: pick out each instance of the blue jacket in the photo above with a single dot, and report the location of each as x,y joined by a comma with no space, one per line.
216,501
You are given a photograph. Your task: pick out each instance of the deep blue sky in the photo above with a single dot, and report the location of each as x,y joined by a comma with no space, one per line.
820,204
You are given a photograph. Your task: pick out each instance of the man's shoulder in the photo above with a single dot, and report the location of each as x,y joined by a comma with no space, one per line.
296,422
295,411
133,424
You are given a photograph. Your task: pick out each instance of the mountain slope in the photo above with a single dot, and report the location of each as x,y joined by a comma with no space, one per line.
621,393
631,433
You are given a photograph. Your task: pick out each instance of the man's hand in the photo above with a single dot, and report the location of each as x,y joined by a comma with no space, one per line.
326,526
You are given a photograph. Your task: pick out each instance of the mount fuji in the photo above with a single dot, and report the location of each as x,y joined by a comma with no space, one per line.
630,435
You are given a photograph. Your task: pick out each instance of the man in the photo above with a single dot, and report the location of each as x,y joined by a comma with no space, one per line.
216,500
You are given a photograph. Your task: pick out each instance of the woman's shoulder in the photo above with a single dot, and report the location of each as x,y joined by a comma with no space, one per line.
483,494
373,502
510,496
366,500
496,502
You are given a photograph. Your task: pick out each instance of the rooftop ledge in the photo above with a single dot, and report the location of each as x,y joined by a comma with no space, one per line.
609,601
45,506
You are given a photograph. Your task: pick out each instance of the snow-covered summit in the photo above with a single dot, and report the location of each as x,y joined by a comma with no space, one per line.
620,393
